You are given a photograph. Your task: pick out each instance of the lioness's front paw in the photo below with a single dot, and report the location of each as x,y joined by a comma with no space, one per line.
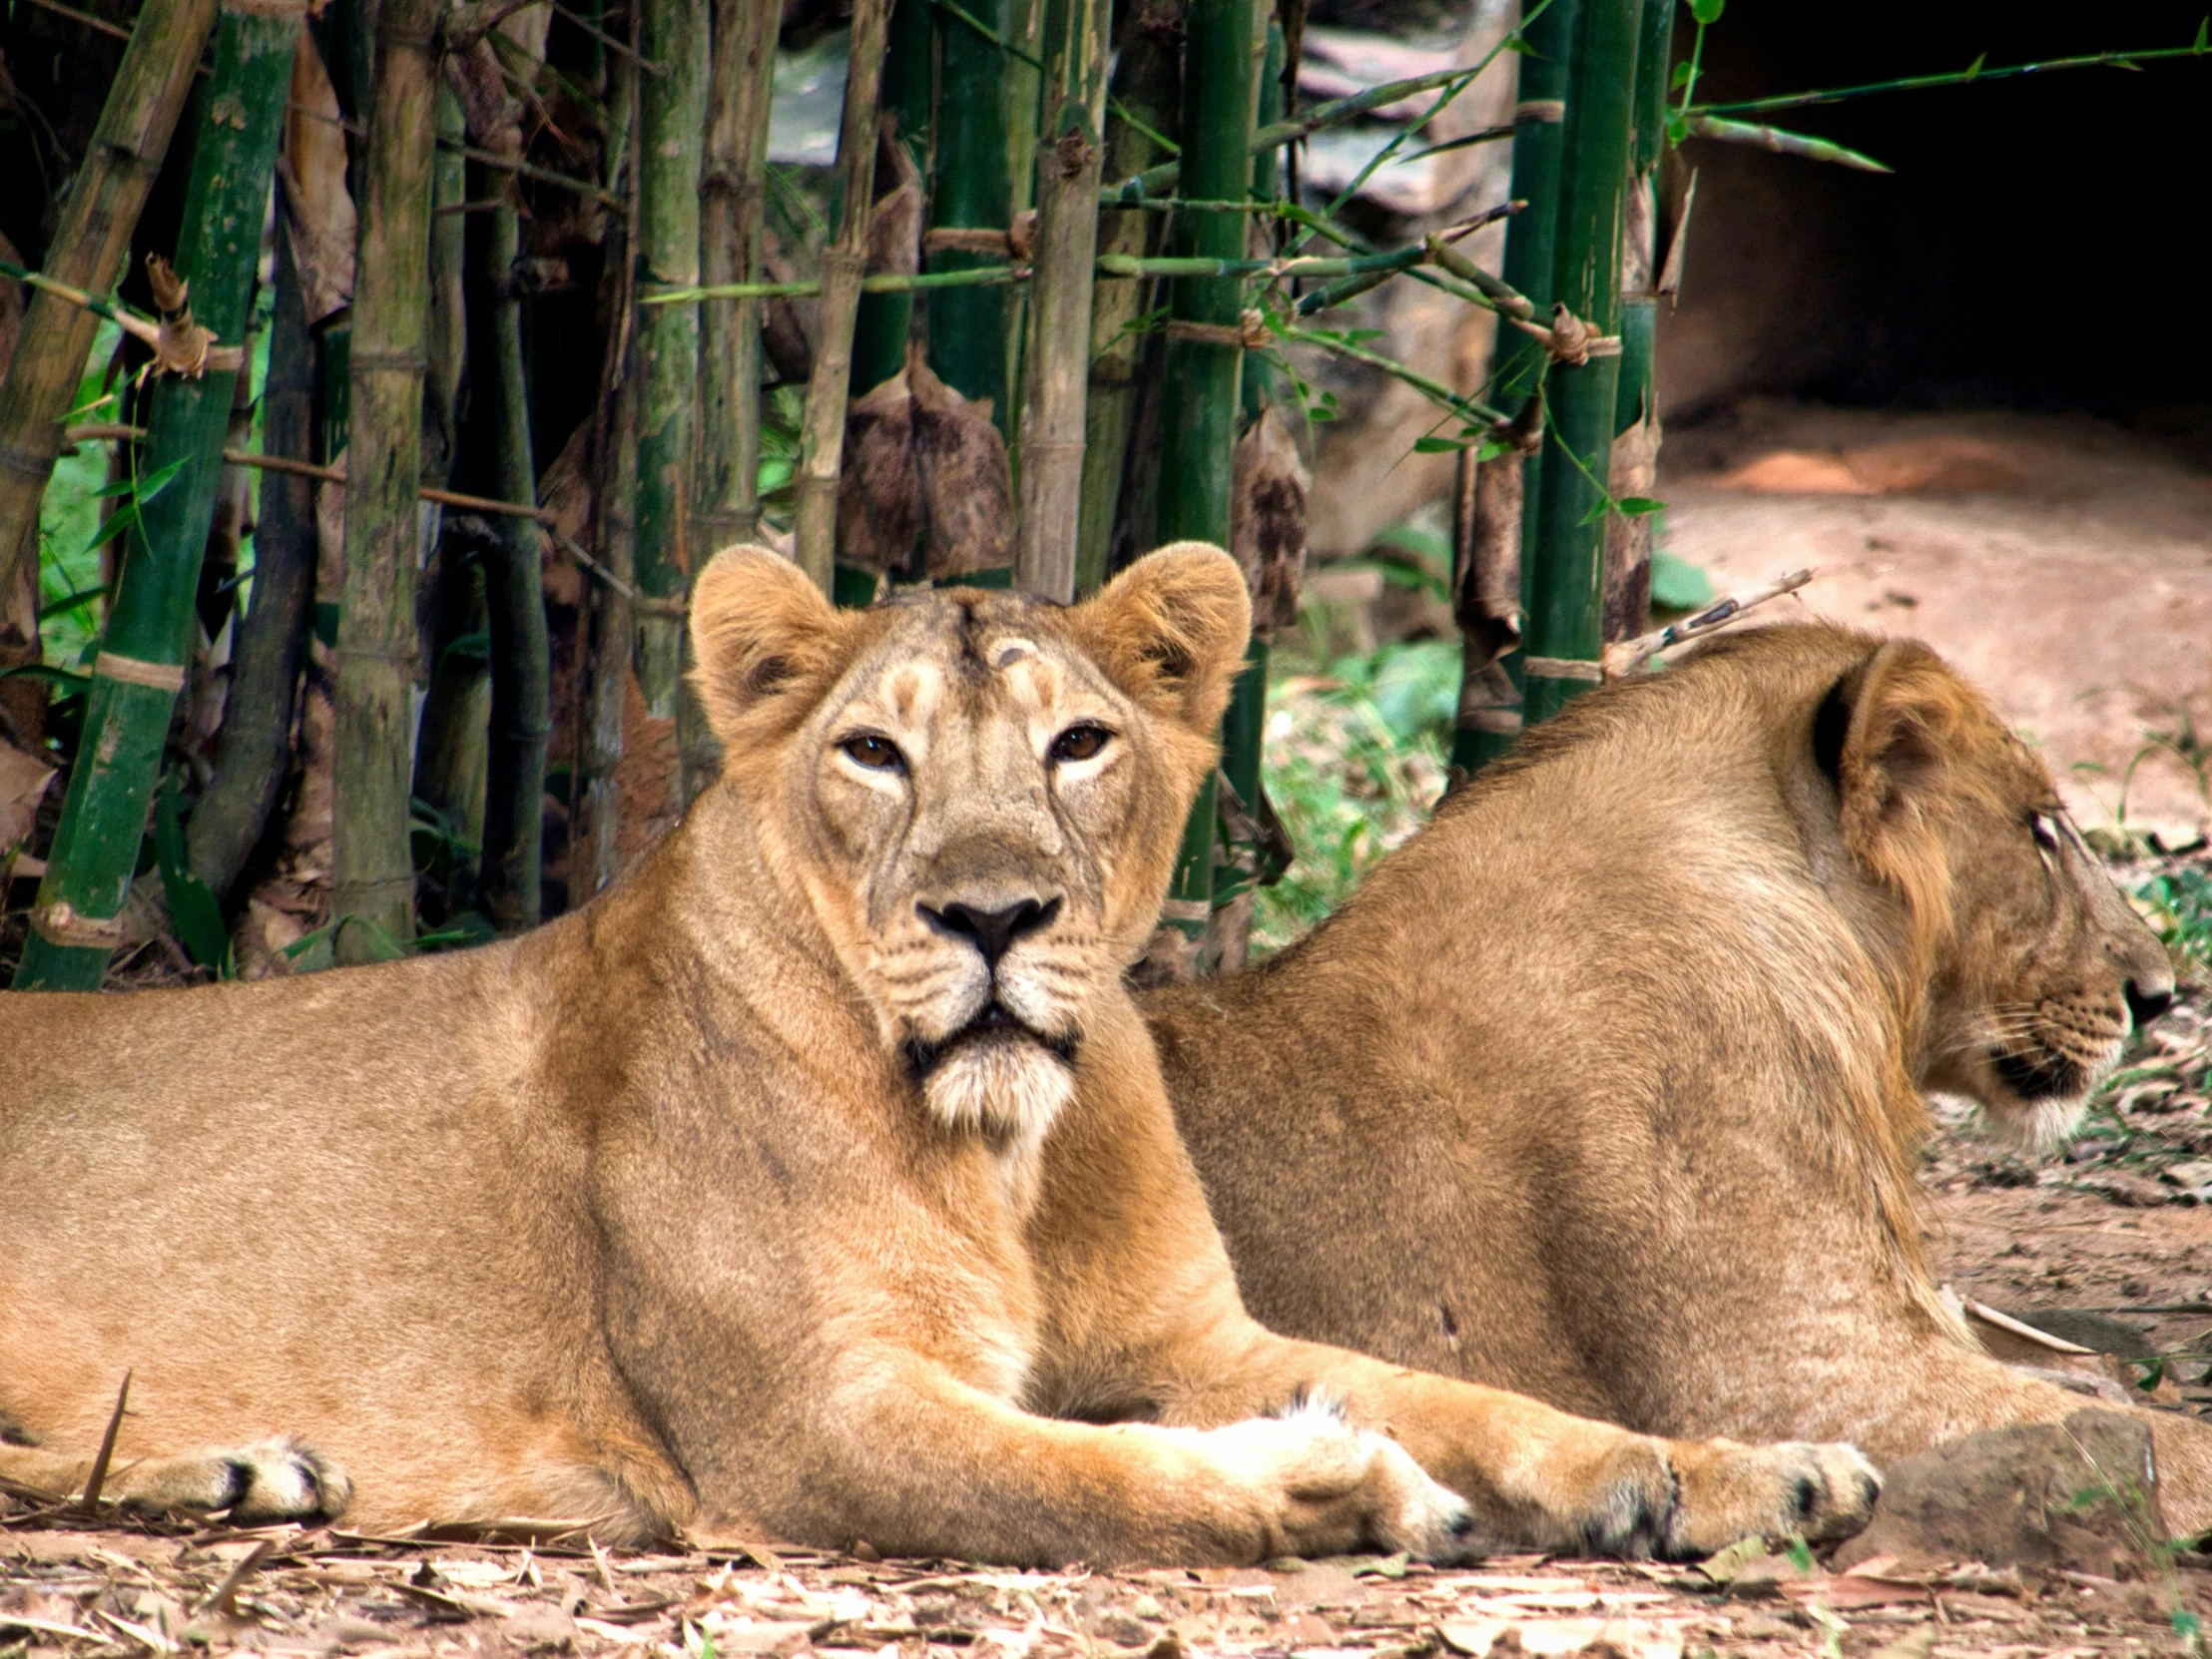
274,1480
1325,1487
1726,1490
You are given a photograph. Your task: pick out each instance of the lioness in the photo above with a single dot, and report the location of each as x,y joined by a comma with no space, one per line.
1606,1088
817,1180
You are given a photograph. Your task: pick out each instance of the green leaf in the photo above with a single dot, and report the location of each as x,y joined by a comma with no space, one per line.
2205,38
1707,12
1677,584
1636,506
113,526
1974,68
1491,449
1678,129
1800,1554
153,486
191,906
120,486
1445,445
71,602
1681,76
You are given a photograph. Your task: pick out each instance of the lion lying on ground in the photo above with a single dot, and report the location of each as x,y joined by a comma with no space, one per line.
1607,1087
817,1180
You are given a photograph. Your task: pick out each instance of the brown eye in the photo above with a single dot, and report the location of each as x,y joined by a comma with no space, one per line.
1080,743
876,753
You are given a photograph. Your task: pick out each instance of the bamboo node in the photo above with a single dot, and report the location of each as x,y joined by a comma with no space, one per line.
1248,333
965,238
1540,109
180,345
59,923
1564,668
1569,339
130,671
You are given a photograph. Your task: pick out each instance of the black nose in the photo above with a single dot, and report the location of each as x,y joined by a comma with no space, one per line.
992,932
2149,1006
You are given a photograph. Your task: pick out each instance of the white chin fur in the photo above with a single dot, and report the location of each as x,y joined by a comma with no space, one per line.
1007,1087
2040,1127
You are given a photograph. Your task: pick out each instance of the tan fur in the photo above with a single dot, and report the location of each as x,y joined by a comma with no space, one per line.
714,1205
1606,1088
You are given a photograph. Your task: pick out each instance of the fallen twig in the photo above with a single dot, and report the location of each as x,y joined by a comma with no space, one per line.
1626,656
97,1479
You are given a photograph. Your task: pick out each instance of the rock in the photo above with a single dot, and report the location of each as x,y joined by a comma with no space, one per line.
2081,1495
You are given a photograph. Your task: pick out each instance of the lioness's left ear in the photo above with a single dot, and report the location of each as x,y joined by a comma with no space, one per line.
1890,744
1171,630
764,639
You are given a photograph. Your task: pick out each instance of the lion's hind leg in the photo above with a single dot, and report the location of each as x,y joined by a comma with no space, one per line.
270,1480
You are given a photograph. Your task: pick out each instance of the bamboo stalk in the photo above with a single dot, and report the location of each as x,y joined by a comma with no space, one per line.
452,732
151,617
1567,584
596,808
672,120
372,871
1147,83
1490,698
822,436
885,318
86,252
253,752
970,189
511,878
1626,611
1058,352
733,194
1205,354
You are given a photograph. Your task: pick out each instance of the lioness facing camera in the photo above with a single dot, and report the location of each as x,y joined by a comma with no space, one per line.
817,1180
1605,1087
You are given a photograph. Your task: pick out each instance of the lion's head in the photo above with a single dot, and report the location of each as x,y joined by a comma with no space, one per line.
2035,967
979,795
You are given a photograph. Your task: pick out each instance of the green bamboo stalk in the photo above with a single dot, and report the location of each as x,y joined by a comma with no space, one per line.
151,617
1147,77
886,318
511,879
1566,582
970,189
1023,83
1491,709
1953,78
671,115
1057,359
733,191
1627,590
87,252
373,870
1204,357
822,437
253,752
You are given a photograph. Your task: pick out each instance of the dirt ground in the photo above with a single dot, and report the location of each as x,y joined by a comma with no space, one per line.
2062,562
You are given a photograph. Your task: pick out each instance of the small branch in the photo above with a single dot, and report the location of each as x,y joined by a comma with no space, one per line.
1956,78
605,39
225,1597
98,24
1467,408
105,1457
1626,656
887,283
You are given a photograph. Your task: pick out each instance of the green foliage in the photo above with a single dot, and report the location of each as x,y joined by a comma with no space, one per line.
1677,584
2178,906
1354,758
193,910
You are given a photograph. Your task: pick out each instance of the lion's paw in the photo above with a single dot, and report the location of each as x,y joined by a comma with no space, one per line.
274,1480
1328,1487
1727,1491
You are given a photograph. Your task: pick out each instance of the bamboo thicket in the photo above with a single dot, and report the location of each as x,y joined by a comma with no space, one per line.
151,619
377,656
970,190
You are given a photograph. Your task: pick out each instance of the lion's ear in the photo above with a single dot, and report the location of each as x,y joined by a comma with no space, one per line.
1889,747
1171,630
762,636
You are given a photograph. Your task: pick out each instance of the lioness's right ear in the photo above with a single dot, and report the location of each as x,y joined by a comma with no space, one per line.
1887,736
1171,630
762,636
